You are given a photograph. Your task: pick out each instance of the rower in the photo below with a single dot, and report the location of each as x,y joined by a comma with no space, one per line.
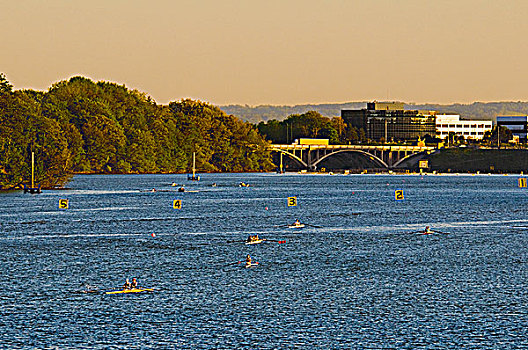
134,283
249,239
427,231
297,222
248,260
126,285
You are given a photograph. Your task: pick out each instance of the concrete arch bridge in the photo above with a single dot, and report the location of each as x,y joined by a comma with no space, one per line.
387,157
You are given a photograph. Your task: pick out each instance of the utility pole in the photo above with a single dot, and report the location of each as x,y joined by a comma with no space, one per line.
385,130
498,136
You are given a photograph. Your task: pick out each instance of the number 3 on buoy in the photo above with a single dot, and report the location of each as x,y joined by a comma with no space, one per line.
292,201
398,195
176,204
63,204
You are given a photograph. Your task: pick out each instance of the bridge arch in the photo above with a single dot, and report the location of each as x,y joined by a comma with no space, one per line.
366,154
412,155
293,156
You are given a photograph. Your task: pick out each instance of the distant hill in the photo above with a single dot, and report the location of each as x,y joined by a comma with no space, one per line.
476,110
256,114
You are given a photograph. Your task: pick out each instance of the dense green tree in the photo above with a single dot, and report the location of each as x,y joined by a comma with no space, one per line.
307,125
23,129
5,86
82,126
504,136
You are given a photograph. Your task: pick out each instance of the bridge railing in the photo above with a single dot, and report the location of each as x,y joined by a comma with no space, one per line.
358,147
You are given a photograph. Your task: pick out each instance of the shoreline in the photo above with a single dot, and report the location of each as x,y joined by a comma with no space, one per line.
290,173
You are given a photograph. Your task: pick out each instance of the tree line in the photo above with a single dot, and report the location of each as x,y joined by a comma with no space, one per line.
310,125
79,126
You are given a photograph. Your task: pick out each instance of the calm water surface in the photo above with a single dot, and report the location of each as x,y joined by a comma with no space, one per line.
358,278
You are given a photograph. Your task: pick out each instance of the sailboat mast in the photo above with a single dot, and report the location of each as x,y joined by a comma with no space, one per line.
194,163
32,169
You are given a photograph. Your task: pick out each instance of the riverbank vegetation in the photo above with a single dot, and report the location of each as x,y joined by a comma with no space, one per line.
310,125
79,126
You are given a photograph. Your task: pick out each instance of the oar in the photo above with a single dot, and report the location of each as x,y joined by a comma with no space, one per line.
273,240
236,241
313,226
444,233
234,263
89,288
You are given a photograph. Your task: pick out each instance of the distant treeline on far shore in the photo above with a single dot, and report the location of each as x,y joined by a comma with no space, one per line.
82,126
476,110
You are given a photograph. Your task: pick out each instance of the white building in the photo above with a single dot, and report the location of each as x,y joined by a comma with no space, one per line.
470,129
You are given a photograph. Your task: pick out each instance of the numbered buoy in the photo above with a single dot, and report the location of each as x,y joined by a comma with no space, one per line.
64,204
177,204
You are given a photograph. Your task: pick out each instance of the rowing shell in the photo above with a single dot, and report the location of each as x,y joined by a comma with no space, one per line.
253,264
256,241
133,290
296,226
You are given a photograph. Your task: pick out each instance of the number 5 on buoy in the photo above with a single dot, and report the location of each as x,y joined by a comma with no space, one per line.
292,201
176,204
63,204
398,195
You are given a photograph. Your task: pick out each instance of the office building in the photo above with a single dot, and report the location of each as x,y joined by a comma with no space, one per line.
470,129
517,124
390,121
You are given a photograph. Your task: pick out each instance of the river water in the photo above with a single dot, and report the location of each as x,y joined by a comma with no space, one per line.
359,277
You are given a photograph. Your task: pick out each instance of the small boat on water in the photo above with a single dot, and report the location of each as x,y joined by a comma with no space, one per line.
251,264
256,241
132,290
296,224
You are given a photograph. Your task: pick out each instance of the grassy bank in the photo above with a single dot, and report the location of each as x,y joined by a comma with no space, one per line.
480,160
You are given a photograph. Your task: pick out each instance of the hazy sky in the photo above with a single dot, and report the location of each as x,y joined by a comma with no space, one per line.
273,52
